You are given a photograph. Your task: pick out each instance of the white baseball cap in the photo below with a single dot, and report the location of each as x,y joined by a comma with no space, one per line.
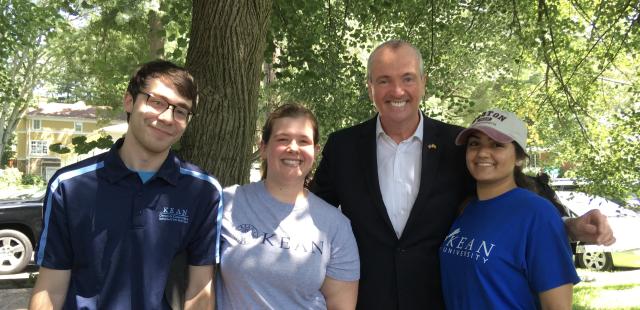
501,126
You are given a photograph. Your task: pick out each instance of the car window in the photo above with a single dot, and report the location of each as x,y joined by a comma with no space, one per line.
36,194
580,203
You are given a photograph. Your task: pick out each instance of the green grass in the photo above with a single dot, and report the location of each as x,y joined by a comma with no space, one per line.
616,296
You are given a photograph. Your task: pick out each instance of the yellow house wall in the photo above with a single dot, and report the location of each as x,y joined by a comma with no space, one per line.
69,126
53,131
57,125
90,127
21,125
21,145
54,125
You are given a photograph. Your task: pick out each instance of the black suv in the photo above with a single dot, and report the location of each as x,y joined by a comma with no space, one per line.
20,225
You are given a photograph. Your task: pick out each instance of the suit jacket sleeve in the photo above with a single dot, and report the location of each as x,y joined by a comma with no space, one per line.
322,183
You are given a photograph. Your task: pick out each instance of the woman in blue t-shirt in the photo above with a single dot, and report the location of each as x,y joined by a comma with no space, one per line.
508,249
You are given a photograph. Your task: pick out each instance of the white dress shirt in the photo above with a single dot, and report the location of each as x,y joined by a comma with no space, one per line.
399,167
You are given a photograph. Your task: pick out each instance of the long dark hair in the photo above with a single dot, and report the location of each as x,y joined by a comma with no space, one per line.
539,184
521,179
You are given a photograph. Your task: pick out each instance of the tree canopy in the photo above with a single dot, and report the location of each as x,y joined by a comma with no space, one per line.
26,31
569,68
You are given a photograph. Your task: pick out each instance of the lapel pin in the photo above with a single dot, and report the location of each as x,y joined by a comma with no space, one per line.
432,146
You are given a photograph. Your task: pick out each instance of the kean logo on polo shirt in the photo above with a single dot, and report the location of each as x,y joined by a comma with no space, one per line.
174,215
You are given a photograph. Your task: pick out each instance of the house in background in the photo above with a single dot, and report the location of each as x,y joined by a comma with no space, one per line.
51,123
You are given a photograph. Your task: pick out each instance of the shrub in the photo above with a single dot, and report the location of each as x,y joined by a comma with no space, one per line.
30,179
10,177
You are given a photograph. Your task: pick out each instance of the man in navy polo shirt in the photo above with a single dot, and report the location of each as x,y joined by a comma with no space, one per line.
113,223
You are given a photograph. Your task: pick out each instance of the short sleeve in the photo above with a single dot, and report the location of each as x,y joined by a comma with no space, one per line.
548,253
202,248
54,249
344,263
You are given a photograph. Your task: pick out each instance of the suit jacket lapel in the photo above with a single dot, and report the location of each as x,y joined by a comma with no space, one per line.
369,167
430,158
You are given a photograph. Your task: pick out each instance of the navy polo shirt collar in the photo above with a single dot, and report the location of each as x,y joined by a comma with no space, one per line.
170,169
117,170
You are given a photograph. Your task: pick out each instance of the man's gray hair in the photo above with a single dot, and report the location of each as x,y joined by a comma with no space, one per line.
394,45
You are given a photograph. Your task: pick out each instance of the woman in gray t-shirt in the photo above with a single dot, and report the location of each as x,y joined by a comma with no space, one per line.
282,247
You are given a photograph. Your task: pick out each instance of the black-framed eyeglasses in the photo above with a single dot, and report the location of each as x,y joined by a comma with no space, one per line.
159,106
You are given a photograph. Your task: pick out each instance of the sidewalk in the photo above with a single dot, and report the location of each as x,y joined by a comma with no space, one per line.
13,299
15,289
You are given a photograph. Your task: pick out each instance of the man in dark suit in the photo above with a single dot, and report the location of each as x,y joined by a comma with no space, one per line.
400,179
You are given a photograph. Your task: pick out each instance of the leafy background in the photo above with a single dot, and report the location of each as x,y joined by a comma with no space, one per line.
569,68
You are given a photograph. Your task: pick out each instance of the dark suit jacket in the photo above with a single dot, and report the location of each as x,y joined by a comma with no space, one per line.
396,273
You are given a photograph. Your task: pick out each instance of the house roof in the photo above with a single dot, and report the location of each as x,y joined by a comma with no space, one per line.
115,130
120,128
75,110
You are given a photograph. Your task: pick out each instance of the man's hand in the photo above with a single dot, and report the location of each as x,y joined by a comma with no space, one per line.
592,228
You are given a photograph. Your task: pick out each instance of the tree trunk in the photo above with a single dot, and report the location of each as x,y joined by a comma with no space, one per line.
225,55
3,113
156,36
1,153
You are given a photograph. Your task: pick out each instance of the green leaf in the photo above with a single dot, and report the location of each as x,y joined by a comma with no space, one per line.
182,42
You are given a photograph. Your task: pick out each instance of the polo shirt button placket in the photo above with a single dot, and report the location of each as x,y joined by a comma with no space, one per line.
138,218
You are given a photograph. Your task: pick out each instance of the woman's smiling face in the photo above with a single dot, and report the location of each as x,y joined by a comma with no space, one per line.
290,150
489,161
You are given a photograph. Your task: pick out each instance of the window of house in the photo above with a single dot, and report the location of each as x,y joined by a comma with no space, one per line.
39,147
78,126
36,124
